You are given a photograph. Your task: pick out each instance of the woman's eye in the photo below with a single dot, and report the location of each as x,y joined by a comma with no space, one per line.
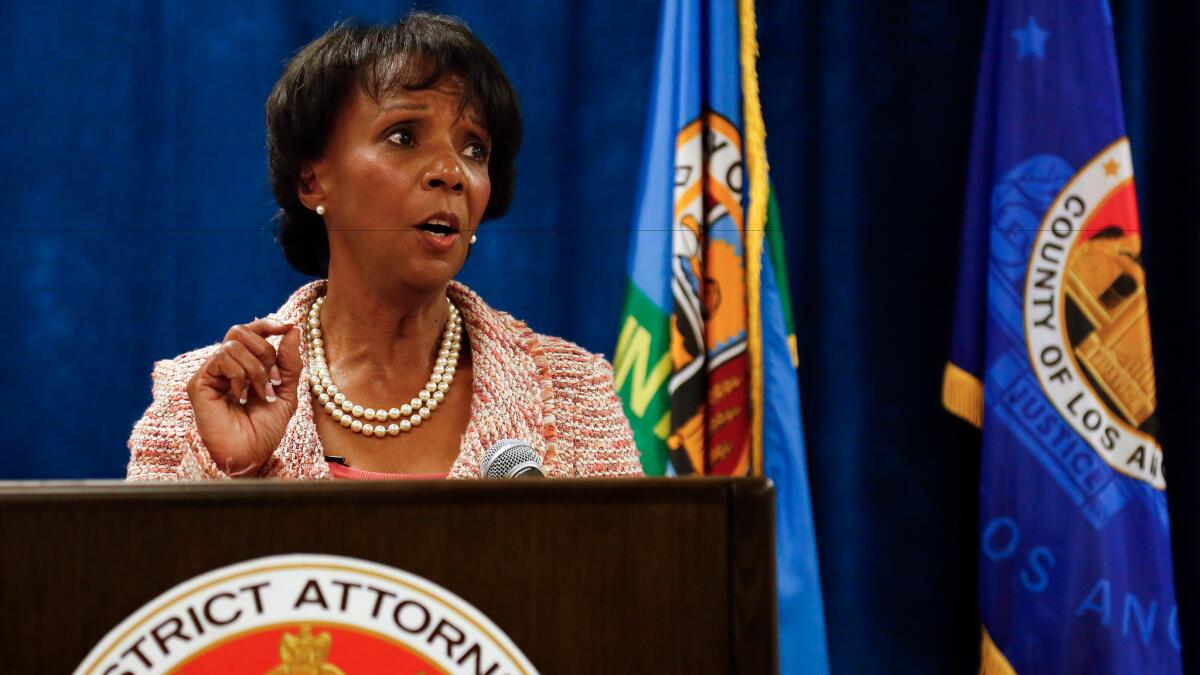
402,137
477,152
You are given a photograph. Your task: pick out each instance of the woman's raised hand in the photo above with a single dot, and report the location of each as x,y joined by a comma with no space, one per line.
245,394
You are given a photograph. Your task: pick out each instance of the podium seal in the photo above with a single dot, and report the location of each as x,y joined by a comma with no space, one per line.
312,614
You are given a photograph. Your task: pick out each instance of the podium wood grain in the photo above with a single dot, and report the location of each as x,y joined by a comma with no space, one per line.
586,576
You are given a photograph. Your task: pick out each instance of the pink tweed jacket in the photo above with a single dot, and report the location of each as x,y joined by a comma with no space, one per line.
543,390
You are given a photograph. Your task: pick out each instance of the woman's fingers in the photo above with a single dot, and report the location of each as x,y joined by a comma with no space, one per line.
225,375
238,384
252,368
265,327
289,363
243,367
245,361
253,336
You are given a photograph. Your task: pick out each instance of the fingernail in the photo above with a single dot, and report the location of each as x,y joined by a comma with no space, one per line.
270,393
276,377
242,400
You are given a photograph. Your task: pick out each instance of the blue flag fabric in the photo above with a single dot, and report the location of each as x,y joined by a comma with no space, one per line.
705,359
802,643
1051,357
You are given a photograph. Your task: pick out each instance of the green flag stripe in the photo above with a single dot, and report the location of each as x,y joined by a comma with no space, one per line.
641,372
779,263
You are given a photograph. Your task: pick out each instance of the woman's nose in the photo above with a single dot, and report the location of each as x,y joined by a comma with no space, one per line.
443,172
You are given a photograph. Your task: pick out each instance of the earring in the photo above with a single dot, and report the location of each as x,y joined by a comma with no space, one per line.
474,239
320,209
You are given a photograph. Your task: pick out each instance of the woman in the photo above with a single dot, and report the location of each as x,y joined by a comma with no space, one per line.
387,148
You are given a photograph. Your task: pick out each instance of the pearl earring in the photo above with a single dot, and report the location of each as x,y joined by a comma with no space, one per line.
320,209
474,239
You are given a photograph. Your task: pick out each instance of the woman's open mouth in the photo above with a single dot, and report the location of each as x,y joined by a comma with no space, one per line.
437,227
439,231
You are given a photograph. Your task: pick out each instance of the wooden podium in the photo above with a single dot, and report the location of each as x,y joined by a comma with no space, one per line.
585,576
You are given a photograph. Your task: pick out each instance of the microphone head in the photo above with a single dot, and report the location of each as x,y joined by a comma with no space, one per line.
511,458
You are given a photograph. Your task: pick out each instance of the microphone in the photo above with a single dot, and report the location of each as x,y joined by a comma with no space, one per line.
511,458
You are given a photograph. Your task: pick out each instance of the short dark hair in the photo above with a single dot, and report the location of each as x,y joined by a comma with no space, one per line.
315,84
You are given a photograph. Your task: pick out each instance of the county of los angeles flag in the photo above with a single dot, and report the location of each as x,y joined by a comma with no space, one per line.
705,361
1052,358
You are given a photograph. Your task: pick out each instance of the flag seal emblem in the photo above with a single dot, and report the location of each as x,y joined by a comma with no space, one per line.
710,382
1087,326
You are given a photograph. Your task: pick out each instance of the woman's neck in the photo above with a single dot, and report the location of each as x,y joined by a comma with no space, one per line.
382,332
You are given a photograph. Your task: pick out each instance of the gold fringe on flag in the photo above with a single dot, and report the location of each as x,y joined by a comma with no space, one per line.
756,217
962,394
991,660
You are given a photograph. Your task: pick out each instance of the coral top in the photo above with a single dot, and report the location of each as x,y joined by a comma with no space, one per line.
340,471
543,390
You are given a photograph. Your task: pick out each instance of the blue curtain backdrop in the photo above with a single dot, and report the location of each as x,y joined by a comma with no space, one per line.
136,226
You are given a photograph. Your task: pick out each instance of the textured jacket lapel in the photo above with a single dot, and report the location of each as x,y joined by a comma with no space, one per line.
506,399
300,454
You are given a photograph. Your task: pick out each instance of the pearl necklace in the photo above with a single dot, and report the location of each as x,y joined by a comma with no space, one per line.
348,414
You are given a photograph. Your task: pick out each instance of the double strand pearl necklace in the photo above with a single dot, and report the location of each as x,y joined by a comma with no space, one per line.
411,414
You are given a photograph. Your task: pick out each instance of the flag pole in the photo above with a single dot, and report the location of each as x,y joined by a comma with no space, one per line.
756,164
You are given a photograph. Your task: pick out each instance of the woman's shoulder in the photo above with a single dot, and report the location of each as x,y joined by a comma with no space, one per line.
501,330
174,373
567,359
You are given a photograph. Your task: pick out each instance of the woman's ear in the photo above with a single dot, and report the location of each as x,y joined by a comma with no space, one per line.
309,189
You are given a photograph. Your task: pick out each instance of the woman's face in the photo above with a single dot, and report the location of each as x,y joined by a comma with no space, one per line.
404,181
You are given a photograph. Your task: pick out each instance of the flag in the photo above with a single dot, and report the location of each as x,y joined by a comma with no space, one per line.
706,357
1051,358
